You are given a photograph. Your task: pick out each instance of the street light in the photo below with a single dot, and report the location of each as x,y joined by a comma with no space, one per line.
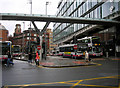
30,2
46,32
46,6
23,40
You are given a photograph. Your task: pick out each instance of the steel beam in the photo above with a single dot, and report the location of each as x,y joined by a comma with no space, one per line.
36,28
45,27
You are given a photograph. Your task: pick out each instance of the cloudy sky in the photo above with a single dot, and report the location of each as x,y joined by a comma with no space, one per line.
23,6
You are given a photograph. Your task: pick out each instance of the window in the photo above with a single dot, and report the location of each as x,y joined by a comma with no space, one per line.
27,38
34,39
35,34
106,9
87,41
27,34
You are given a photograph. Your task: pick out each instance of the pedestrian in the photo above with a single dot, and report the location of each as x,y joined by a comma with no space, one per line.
30,58
9,60
37,58
86,56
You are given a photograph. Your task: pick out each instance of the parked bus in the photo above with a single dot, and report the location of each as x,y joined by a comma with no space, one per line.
16,50
68,51
5,46
92,44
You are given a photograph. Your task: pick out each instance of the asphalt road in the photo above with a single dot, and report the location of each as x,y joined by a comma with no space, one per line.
24,75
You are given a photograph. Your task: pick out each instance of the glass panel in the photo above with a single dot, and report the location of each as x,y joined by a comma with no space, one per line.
105,9
97,49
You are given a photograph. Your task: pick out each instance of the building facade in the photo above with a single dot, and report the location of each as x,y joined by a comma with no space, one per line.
89,9
28,38
3,33
50,44
25,39
17,35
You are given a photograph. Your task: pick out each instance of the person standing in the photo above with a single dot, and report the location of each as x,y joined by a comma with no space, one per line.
30,58
37,58
86,56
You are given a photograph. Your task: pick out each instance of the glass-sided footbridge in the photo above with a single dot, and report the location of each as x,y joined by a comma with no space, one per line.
53,18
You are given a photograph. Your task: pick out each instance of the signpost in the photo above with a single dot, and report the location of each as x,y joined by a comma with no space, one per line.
39,47
75,47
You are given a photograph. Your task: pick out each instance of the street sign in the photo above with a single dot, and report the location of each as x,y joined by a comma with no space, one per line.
75,46
38,47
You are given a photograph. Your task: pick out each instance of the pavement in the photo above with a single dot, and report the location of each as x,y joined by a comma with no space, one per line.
57,62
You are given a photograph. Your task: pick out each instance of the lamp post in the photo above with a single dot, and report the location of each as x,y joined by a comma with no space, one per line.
45,34
46,6
23,40
30,2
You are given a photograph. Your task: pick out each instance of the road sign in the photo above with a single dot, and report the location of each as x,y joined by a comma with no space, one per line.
38,47
75,46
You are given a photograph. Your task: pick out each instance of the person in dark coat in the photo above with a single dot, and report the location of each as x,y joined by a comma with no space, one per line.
30,58
9,60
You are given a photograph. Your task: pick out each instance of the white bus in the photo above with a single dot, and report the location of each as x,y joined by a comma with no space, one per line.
92,44
16,50
5,46
68,51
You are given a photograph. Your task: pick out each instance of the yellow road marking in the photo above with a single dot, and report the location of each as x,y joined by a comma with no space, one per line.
41,83
97,86
68,82
102,77
76,83
41,67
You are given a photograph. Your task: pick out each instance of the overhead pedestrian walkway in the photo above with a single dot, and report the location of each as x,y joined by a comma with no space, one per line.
52,18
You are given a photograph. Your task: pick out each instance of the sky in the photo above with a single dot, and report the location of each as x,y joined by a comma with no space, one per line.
23,6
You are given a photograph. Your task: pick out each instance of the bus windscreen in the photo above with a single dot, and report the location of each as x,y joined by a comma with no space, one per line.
5,48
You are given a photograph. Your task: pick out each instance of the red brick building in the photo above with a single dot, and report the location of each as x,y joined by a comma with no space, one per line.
23,38
28,38
3,33
17,37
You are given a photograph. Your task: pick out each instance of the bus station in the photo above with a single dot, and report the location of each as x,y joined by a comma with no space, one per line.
86,52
